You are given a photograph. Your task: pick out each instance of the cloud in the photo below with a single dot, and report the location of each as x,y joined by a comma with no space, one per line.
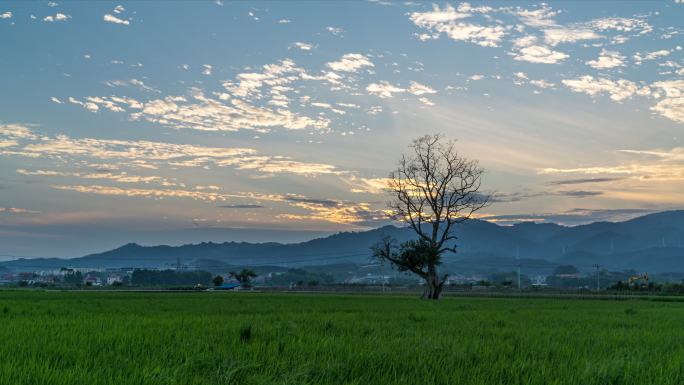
328,106
115,20
446,21
131,82
383,89
540,17
638,58
122,177
671,108
621,24
340,212
303,46
16,210
607,59
437,16
351,62
144,193
206,69
555,36
284,21
542,83
208,114
418,89
619,90
119,9
539,54
241,206
426,101
56,100
576,216
334,30
583,181
660,170
367,185
17,131
149,154
6,15
225,113
579,193
57,17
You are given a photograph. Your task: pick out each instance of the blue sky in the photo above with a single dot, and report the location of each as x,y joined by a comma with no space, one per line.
174,122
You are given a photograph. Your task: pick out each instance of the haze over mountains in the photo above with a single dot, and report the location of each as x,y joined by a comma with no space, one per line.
650,243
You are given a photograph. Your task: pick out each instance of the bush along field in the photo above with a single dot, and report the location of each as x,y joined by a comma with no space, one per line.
254,338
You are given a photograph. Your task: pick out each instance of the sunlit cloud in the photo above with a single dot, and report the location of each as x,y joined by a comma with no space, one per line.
447,21
607,60
539,54
151,153
350,62
619,90
115,20
56,17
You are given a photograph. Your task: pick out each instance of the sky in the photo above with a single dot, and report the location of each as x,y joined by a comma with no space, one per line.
177,122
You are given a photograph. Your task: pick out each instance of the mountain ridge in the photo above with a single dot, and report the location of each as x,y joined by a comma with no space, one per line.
645,242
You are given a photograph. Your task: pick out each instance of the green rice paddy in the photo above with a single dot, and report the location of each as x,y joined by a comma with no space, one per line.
205,338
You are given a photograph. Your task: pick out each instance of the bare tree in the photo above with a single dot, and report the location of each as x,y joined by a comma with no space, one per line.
433,189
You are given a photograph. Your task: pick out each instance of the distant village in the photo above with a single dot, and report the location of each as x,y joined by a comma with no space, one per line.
563,277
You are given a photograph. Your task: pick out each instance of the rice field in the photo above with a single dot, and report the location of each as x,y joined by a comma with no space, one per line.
255,338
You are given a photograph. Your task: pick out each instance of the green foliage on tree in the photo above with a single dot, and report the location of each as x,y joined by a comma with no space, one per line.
217,281
145,277
244,277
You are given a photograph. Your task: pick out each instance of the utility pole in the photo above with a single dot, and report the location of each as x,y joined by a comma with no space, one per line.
598,277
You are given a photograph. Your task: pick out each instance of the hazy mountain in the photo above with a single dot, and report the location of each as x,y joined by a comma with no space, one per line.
649,243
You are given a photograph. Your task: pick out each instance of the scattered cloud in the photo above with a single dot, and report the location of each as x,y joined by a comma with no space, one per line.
351,62
538,18
418,89
447,21
619,90
303,46
149,154
334,30
539,54
583,181
607,59
115,20
555,36
139,84
16,210
6,15
383,89
241,206
639,57
57,17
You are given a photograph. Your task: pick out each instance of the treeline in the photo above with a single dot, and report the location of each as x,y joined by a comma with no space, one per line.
144,277
301,277
668,288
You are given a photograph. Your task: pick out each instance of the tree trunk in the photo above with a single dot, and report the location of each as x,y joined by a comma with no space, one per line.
433,285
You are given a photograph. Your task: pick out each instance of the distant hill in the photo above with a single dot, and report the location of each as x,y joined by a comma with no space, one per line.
650,243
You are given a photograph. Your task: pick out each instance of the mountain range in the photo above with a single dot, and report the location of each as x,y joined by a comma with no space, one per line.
650,243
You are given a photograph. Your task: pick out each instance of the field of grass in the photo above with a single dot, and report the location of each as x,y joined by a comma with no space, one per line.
254,338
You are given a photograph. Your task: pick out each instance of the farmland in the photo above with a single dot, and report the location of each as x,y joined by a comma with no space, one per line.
255,338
